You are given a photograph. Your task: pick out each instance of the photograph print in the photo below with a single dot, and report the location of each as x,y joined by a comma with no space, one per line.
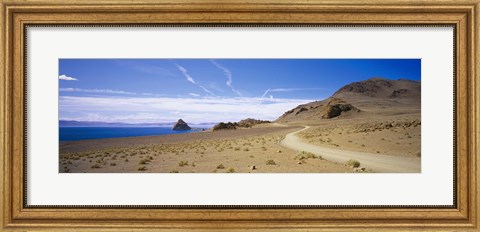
239,115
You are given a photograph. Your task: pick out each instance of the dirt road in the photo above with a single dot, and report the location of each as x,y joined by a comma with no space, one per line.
375,162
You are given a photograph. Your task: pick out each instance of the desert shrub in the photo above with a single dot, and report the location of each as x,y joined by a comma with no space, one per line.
142,168
96,166
182,163
220,166
230,170
174,171
144,161
353,163
113,164
270,162
306,155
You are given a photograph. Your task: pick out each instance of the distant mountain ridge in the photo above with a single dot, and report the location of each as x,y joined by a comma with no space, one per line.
374,95
73,123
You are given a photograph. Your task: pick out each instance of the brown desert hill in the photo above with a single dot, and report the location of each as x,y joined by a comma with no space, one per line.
375,95
380,88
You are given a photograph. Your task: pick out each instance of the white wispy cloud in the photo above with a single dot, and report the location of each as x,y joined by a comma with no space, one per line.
194,95
185,74
67,78
214,86
184,71
126,118
228,74
167,109
107,91
145,68
287,90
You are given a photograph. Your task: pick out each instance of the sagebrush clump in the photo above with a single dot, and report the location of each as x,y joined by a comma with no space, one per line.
353,163
307,155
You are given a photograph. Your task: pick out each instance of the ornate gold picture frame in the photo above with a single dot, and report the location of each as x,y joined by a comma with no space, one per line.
17,15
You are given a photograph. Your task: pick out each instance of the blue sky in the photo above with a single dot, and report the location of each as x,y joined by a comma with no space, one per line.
208,90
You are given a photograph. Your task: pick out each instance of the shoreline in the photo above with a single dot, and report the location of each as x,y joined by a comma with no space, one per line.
104,143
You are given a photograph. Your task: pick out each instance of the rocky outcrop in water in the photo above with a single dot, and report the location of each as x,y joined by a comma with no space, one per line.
181,126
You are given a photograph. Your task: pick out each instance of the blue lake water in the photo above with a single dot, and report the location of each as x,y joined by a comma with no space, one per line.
82,133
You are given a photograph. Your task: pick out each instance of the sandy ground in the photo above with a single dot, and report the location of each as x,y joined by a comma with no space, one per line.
369,161
256,150
398,135
260,149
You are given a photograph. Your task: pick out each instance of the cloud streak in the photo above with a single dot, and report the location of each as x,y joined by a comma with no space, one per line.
67,78
185,74
190,79
168,109
145,68
287,90
228,74
107,91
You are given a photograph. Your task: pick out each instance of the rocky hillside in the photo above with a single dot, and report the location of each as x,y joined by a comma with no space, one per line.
250,122
380,88
375,95
245,123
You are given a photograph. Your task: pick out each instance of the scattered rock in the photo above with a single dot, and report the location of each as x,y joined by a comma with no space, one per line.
400,93
253,167
335,107
301,110
270,162
370,127
359,169
279,151
289,112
